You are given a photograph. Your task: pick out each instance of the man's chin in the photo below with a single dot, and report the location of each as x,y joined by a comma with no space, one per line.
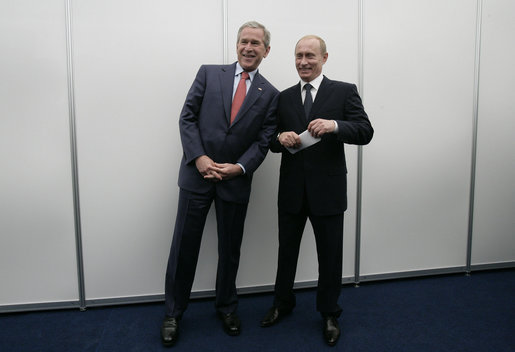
249,66
304,74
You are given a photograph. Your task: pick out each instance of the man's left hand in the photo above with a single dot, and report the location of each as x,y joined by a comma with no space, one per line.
226,170
319,127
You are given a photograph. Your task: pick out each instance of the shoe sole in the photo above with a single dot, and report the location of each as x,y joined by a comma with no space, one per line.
168,344
232,333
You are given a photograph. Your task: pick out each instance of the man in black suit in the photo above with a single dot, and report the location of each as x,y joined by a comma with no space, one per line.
223,144
312,180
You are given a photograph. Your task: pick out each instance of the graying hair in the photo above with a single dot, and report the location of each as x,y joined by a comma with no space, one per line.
254,24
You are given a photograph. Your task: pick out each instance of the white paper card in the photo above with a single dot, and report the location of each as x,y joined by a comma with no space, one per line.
306,140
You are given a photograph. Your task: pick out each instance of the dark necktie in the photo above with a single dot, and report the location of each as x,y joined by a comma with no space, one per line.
308,100
239,96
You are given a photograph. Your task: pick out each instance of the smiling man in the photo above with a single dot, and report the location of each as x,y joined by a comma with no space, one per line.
313,180
226,125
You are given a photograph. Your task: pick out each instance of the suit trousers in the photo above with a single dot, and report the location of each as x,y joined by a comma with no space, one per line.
182,262
328,232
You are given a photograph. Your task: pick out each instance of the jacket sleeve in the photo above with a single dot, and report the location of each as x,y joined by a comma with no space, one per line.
256,153
355,128
188,120
275,145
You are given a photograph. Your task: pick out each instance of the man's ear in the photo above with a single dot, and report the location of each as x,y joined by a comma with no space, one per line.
266,52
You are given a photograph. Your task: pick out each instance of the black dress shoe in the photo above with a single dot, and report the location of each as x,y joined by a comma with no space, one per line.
231,323
331,330
169,331
273,315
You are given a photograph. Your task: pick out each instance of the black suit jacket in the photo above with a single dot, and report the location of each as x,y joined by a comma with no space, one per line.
319,172
206,130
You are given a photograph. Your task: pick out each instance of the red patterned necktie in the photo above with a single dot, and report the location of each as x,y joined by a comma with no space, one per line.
239,96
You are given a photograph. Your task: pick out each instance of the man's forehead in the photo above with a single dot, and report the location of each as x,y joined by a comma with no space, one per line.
309,42
308,47
252,32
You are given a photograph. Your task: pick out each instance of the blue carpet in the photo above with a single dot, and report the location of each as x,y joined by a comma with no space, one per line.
442,313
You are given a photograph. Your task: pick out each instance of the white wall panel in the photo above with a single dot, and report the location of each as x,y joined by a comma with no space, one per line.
135,62
287,23
37,237
419,65
494,221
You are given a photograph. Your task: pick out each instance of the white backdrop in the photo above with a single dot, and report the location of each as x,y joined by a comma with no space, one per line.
418,88
134,62
37,242
494,237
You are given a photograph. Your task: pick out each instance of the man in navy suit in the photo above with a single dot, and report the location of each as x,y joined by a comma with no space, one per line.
312,181
223,145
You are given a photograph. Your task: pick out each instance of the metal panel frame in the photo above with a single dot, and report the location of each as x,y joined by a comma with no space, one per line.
359,187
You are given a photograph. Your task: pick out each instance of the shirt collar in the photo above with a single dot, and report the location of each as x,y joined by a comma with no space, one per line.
239,70
315,83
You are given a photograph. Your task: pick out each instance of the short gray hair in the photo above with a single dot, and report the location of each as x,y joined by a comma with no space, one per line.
323,47
254,24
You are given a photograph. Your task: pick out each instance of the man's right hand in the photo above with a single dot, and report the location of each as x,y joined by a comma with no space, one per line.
289,139
204,164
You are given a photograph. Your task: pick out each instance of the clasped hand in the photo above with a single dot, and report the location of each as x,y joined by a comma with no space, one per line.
216,172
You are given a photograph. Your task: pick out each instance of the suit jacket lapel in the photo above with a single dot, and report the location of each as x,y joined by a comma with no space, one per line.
322,96
299,106
226,86
255,91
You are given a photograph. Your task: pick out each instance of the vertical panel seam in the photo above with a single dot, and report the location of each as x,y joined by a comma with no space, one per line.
475,119
73,152
225,20
357,254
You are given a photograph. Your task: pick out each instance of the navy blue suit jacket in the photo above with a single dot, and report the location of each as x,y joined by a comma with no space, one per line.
206,130
319,172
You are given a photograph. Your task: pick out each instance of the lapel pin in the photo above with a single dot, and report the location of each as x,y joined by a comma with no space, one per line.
260,89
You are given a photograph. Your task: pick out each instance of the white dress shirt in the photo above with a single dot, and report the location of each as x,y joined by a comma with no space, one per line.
237,77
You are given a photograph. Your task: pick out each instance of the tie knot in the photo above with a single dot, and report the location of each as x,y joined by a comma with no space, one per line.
308,87
244,75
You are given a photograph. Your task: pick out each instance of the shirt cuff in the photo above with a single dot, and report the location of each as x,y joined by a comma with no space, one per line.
335,126
241,168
